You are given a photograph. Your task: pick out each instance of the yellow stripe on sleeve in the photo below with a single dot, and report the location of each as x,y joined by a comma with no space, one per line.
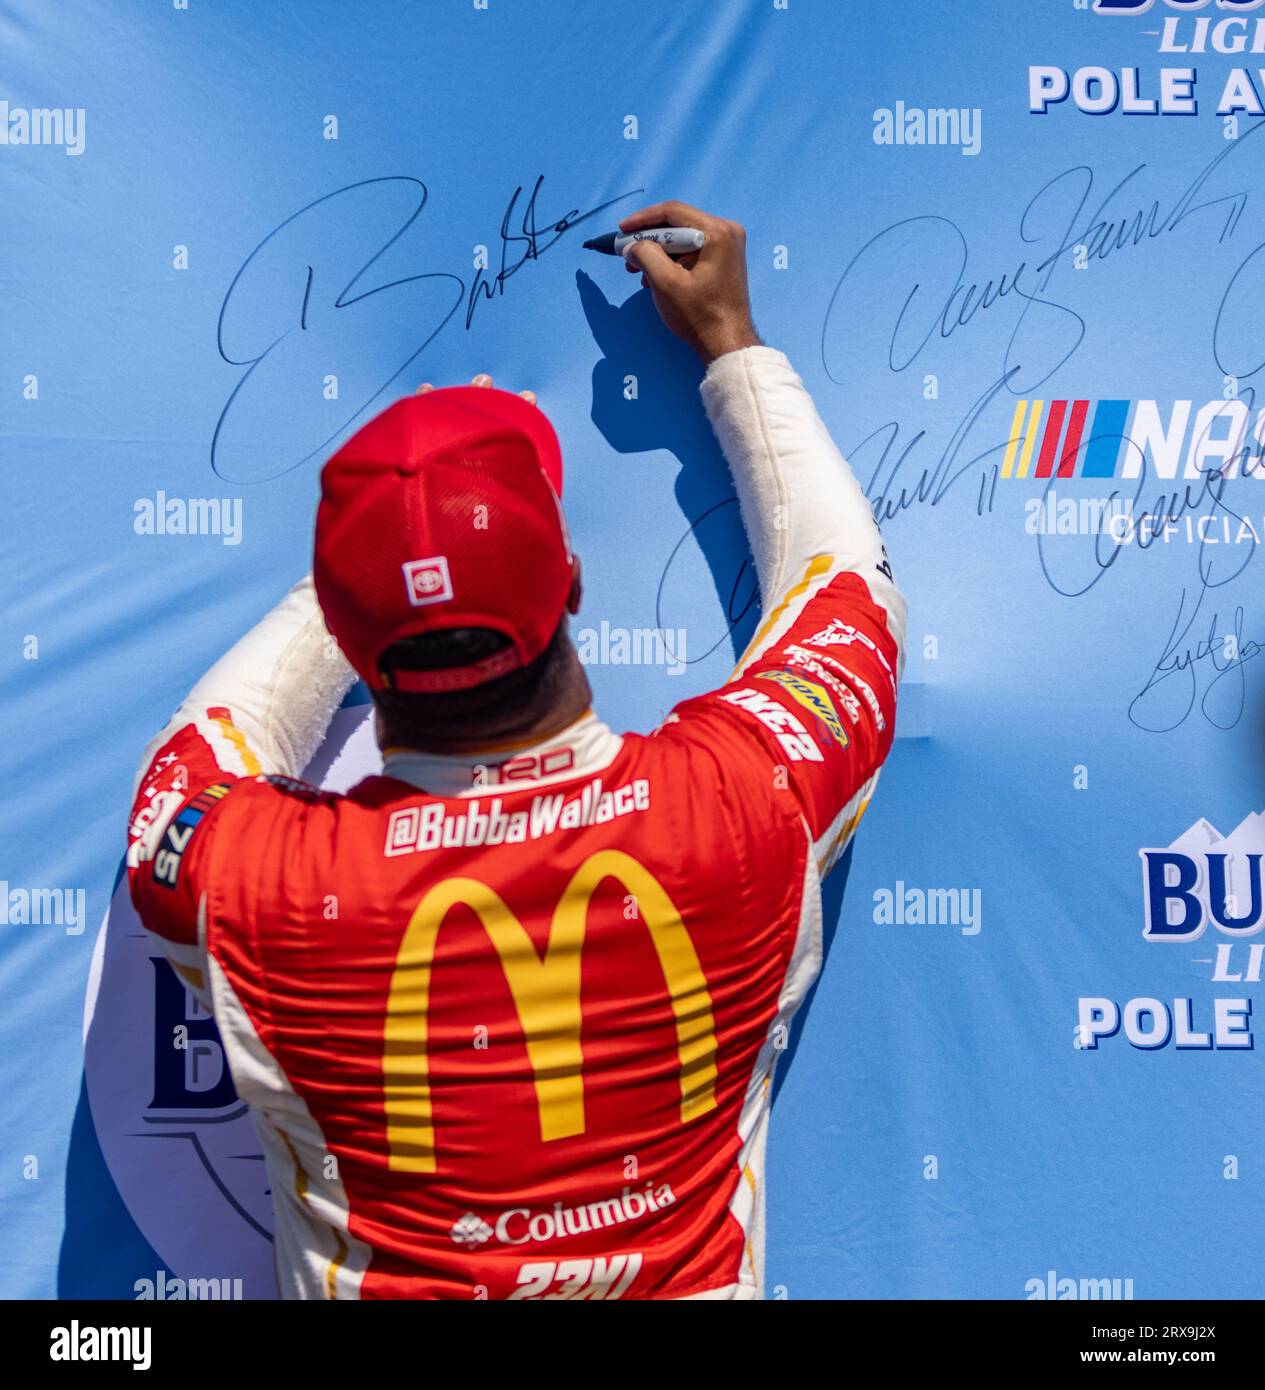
817,566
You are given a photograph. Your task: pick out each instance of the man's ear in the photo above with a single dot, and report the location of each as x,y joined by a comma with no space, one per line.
577,589
380,732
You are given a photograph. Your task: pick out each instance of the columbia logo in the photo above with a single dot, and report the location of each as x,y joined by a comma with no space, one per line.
471,1230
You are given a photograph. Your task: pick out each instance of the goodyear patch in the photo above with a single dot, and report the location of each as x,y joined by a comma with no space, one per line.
179,834
813,697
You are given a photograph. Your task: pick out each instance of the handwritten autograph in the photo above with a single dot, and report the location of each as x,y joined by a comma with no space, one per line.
529,238
933,296
919,270
1173,687
336,300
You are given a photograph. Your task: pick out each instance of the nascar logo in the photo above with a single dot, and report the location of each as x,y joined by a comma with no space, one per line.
1050,438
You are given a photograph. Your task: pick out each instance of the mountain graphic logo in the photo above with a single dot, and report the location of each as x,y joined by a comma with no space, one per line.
1205,879
470,1230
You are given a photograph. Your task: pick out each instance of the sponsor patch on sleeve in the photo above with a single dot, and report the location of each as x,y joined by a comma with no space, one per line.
179,833
841,634
795,740
813,697
816,664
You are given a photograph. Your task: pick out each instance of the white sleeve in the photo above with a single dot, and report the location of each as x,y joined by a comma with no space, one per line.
805,515
282,683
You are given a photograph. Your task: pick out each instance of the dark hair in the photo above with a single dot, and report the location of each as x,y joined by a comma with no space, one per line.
413,719
433,651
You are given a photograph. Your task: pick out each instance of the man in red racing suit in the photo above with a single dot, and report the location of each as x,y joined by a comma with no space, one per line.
507,1017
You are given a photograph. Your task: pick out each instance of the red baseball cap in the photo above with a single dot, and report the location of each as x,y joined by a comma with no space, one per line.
444,511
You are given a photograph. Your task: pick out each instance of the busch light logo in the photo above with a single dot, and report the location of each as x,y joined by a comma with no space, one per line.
1125,7
1202,879
1205,879
178,1141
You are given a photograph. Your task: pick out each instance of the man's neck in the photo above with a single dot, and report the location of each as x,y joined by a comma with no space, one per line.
470,722
501,736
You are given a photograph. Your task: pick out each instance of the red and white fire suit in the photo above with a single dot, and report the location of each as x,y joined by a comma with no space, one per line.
508,1022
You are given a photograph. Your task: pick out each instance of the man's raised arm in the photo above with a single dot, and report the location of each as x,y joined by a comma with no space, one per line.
816,687
805,515
261,709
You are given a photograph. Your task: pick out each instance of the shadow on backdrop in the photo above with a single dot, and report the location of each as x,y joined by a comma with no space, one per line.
102,1251
667,413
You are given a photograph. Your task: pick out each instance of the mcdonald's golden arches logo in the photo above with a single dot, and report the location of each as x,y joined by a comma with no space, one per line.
546,994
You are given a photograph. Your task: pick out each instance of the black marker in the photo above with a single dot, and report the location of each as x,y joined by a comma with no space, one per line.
676,241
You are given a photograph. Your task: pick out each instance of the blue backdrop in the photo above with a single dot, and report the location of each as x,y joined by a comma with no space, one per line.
233,229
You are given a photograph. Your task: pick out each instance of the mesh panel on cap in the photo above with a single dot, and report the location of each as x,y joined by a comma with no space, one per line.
507,562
